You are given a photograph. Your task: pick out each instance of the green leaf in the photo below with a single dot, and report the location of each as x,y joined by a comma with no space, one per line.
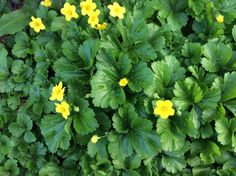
53,129
226,132
234,32
156,38
130,163
10,168
21,47
114,66
173,12
173,164
130,172
208,150
145,8
29,137
217,55
193,51
144,51
106,92
211,98
20,71
99,149
166,73
18,21
132,133
134,31
140,77
23,123
206,131
67,70
230,165
70,50
88,51
195,115
187,93
50,169
6,144
58,24
197,171
84,121
135,34
4,72
146,143
229,86
13,102
120,146
197,5
171,138
231,105
222,127
228,8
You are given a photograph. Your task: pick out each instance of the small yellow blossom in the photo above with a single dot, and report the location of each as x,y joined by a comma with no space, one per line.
220,18
101,26
95,139
57,92
164,109
36,24
63,108
46,3
76,109
87,7
123,82
69,11
93,18
116,10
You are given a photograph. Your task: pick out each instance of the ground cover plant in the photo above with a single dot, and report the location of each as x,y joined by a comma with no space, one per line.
111,87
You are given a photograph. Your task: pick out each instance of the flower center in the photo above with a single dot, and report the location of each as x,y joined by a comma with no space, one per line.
164,108
117,9
63,110
93,18
37,24
88,8
69,12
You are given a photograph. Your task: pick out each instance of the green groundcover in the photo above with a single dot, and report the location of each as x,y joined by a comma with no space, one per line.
118,88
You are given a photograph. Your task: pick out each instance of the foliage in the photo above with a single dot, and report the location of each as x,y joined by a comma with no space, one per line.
173,50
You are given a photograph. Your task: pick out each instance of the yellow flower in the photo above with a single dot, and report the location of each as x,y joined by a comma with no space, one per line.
101,26
164,109
123,82
220,18
69,11
36,24
93,18
87,7
46,3
95,139
63,108
57,92
116,10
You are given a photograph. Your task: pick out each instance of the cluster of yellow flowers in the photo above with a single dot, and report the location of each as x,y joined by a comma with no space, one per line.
58,94
64,108
164,109
88,8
